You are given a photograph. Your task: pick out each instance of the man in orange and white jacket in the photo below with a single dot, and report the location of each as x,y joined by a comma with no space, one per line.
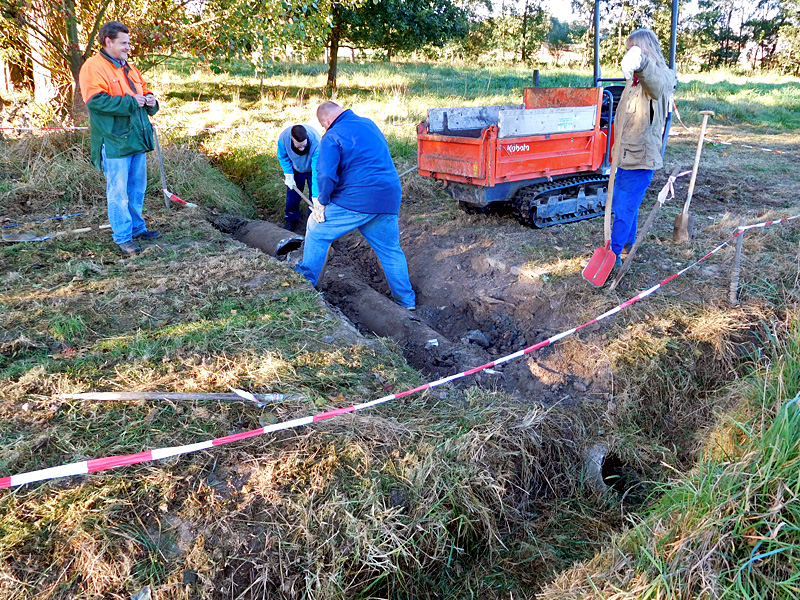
120,105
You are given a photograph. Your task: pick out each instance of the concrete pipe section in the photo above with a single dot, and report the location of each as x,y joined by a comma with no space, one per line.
593,468
423,347
275,241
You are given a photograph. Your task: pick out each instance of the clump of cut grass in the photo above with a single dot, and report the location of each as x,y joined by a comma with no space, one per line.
49,175
729,528
191,176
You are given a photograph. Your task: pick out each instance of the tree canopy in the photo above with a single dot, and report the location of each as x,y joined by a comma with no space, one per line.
54,37
404,25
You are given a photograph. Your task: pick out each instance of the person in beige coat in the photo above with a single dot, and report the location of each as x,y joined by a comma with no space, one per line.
638,128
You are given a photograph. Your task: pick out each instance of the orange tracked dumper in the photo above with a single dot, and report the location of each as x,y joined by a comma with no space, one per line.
547,158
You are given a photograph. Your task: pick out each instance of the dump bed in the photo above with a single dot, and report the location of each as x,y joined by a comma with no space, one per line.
555,132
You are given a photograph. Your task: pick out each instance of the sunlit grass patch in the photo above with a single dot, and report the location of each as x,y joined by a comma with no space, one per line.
68,329
770,102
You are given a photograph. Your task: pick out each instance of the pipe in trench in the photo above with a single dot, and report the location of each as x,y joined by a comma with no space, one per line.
423,347
272,239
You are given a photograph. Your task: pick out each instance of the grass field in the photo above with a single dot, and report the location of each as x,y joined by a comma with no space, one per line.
459,492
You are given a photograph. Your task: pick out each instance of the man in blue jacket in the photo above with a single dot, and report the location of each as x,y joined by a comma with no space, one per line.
358,189
298,149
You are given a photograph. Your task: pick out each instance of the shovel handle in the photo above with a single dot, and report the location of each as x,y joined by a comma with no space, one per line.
612,178
82,229
407,171
303,196
706,114
161,167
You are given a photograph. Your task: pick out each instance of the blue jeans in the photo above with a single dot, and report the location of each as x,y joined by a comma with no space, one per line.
126,181
293,198
380,230
629,188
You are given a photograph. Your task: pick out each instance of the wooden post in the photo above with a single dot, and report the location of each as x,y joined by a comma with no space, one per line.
5,79
733,298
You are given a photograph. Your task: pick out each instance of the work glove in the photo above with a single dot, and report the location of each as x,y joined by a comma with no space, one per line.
288,178
317,211
631,61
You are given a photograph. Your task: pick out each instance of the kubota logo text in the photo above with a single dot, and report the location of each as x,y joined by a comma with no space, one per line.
512,148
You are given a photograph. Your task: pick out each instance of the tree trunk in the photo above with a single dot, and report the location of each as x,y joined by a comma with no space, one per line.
75,60
5,77
333,60
79,109
43,88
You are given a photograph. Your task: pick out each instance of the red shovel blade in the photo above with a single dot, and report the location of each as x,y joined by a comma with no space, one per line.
596,272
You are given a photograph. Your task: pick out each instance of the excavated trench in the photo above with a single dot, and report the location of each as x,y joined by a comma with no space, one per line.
472,308
476,305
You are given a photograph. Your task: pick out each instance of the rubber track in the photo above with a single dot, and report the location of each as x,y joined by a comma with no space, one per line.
525,198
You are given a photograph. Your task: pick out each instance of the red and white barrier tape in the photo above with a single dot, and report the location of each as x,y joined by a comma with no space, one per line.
101,464
744,228
44,128
724,143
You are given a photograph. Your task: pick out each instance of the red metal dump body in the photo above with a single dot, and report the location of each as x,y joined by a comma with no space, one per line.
502,152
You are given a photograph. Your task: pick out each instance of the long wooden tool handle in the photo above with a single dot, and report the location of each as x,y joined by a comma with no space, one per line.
705,114
303,196
407,171
612,178
82,230
640,238
161,167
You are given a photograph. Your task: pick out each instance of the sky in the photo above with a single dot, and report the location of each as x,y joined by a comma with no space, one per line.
560,9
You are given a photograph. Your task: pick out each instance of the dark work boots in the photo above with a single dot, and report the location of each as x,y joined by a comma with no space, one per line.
148,235
129,249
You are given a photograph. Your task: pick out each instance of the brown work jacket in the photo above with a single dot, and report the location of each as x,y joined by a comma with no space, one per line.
641,114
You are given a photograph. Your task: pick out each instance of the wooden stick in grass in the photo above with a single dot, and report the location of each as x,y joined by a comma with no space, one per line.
180,396
733,296
648,223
